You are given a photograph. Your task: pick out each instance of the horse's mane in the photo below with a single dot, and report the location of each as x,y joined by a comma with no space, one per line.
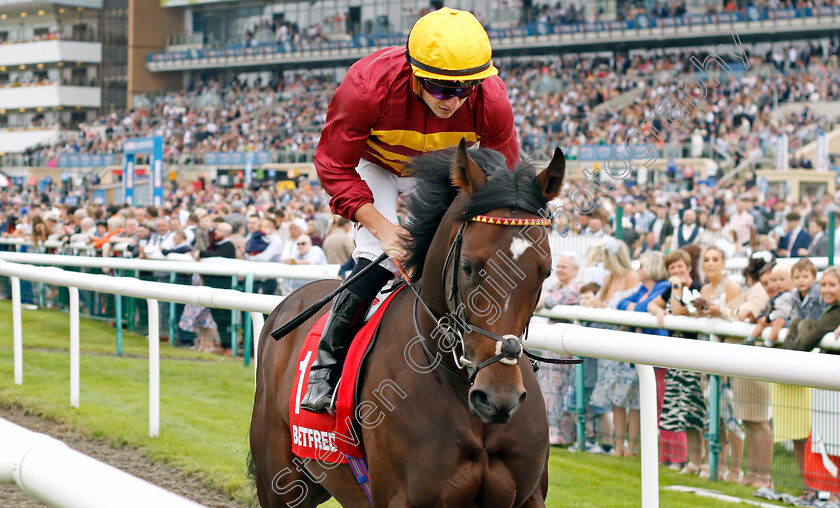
517,190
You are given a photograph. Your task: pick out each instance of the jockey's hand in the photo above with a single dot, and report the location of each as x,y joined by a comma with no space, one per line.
392,239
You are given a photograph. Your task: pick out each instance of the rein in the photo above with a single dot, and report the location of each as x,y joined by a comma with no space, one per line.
454,324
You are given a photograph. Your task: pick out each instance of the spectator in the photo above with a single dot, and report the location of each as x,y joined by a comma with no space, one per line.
598,415
115,229
556,380
296,228
795,237
819,240
742,223
719,290
808,304
688,232
88,230
272,252
41,231
307,254
180,244
683,407
339,244
618,384
222,248
779,311
594,270
752,398
661,226
649,245
806,334
653,278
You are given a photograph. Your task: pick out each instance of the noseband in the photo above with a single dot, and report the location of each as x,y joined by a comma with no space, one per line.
454,324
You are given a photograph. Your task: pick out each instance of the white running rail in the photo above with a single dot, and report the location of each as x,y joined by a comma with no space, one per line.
52,472
774,365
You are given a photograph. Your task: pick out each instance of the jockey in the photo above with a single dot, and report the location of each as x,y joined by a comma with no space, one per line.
392,105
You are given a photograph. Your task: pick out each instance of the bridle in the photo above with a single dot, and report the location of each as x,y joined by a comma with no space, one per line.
454,324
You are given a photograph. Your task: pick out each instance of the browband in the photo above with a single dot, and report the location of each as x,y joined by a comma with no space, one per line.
507,221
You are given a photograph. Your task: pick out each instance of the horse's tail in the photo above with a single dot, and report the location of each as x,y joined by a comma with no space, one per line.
252,467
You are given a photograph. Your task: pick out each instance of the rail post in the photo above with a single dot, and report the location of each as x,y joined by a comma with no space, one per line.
247,324
172,318
74,346
831,235
17,330
154,368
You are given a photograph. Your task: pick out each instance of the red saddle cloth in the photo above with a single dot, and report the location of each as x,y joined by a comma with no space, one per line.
325,437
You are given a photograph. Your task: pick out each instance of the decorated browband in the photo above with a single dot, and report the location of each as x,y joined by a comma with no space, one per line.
508,221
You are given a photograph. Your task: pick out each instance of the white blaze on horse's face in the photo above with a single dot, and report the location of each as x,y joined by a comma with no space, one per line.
518,246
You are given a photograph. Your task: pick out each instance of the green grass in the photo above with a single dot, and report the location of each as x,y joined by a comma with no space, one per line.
206,408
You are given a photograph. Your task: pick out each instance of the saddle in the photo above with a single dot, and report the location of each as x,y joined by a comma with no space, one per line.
322,436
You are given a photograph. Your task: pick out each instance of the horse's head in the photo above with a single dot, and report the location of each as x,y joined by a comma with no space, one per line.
491,253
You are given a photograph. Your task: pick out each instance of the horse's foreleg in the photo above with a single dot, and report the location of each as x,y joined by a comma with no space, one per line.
537,498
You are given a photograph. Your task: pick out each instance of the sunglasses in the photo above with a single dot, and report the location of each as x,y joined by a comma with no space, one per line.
446,92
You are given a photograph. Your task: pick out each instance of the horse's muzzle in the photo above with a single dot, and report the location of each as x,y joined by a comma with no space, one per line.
491,409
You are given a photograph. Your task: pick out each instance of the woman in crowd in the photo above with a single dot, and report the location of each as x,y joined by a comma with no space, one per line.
718,291
618,384
683,407
556,380
752,398
653,275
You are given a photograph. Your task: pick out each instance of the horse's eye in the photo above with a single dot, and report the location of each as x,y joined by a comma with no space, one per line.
466,266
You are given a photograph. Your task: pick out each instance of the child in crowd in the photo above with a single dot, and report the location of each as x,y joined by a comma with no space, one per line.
595,414
807,304
779,310
589,294
805,334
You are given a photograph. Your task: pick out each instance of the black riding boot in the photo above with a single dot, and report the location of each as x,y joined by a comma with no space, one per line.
346,316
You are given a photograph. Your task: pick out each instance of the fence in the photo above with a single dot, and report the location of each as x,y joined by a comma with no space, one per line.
249,271
52,472
714,327
644,350
255,305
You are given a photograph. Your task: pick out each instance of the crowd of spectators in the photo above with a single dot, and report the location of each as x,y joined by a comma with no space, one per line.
558,101
294,227
681,241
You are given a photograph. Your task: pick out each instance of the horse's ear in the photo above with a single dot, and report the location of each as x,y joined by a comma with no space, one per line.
465,173
551,178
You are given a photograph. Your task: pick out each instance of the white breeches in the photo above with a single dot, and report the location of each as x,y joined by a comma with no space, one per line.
386,188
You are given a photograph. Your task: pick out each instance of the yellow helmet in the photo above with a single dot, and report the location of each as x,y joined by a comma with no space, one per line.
450,45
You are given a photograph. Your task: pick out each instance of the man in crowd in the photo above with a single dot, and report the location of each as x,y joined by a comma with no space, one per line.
339,245
795,237
687,232
222,248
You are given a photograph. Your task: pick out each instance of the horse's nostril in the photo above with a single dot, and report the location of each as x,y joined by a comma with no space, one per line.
479,398
522,397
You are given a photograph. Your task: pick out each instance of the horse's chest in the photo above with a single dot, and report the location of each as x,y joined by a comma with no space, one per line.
486,479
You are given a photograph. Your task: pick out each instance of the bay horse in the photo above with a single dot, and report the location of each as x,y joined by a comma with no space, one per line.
447,421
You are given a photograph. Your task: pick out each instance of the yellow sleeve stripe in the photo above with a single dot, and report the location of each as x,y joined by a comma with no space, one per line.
386,153
386,163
